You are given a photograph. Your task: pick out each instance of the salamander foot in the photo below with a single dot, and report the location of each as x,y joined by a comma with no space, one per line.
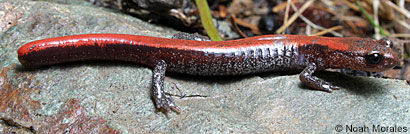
162,101
314,82
166,104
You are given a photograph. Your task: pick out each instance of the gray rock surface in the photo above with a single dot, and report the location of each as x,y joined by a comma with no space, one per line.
120,92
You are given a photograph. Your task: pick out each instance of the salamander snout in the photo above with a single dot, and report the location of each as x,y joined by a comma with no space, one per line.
381,59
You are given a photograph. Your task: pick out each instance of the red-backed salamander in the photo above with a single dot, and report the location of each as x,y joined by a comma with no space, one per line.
210,58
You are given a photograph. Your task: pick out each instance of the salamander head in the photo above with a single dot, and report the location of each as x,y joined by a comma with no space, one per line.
372,55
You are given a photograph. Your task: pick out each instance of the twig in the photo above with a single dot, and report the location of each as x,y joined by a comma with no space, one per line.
401,3
344,18
351,5
327,30
402,11
253,27
285,20
233,21
376,4
401,22
400,35
308,30
294,16
307,21
281,6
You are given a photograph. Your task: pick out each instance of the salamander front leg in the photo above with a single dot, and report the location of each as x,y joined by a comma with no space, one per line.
162,101
314,82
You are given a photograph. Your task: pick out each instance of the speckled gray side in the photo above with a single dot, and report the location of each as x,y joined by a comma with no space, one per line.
246,60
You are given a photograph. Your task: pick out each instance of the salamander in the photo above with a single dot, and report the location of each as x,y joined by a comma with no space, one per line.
258,54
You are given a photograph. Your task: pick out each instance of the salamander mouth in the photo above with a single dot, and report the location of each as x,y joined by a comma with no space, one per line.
381,67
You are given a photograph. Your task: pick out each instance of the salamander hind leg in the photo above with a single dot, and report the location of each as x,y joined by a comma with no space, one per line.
314,82
162,101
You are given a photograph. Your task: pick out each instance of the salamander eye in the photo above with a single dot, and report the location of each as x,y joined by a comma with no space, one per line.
387,42
374,58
